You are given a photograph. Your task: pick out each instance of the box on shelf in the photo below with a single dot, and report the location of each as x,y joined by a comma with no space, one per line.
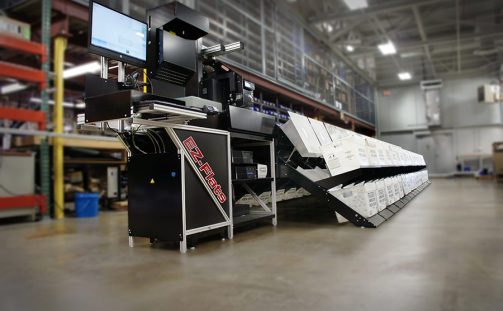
336,132
404,179
300,132
424,176
382,202
314,174
390,191
245,172
381,153
246,199
290,194
242,157
320,131
280,195
373,157
305,192
261,171
299,193
15,28
398,185
264,197
346,154
360,197
17,173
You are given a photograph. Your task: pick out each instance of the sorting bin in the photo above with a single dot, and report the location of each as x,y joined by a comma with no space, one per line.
86,204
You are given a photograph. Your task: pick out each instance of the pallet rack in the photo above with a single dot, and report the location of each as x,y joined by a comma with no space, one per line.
33,76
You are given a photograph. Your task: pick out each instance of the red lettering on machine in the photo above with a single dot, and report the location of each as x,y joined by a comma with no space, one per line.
209,176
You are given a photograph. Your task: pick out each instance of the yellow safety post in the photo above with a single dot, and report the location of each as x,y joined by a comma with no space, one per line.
60,44
145,80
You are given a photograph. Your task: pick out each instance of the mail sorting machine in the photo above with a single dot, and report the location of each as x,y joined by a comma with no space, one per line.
179,174
363,180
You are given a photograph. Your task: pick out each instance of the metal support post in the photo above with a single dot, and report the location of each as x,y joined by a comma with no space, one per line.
230,230
121,77
60,44
104,67
273,184
45,174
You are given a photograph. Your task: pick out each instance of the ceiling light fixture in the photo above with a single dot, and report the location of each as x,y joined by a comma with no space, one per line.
92,67
405,75
387,48
350,48
12,88
328,27
356,4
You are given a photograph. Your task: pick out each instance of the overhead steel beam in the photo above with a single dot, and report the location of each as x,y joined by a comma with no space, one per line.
376,21
424,39
344,30
466,73
417,62
437,51
402,47
71,8
311,29
373,10
458,36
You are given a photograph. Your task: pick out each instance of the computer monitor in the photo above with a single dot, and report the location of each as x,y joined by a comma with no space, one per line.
117,36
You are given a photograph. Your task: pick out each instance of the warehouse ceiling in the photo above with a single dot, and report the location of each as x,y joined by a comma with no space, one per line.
433,38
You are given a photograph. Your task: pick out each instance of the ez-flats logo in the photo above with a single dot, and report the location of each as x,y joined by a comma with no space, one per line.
198,157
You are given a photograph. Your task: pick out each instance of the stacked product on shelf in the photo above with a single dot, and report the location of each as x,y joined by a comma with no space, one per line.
369,179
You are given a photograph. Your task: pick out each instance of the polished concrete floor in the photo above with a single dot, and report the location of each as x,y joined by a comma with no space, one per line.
444,251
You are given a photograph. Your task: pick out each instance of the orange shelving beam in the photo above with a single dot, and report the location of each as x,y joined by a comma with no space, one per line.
27,115
24,73
23,45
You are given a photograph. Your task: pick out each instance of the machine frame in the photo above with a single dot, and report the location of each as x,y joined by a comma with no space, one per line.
170,129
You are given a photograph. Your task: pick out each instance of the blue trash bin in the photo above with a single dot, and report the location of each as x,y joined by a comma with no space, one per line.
86,204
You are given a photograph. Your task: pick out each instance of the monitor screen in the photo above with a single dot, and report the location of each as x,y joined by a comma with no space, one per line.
117,36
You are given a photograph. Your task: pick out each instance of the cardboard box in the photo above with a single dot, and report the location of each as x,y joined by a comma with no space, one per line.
336,132
290,194
300,132
246,199
315,174
390,191
370,189
382,202
15,28
400,186
305,192
320,131
242,157
346,154
373,157
340,218
336,193
360,197
381,153
424,176
299,193
280,195
261,171
396,188
264,197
